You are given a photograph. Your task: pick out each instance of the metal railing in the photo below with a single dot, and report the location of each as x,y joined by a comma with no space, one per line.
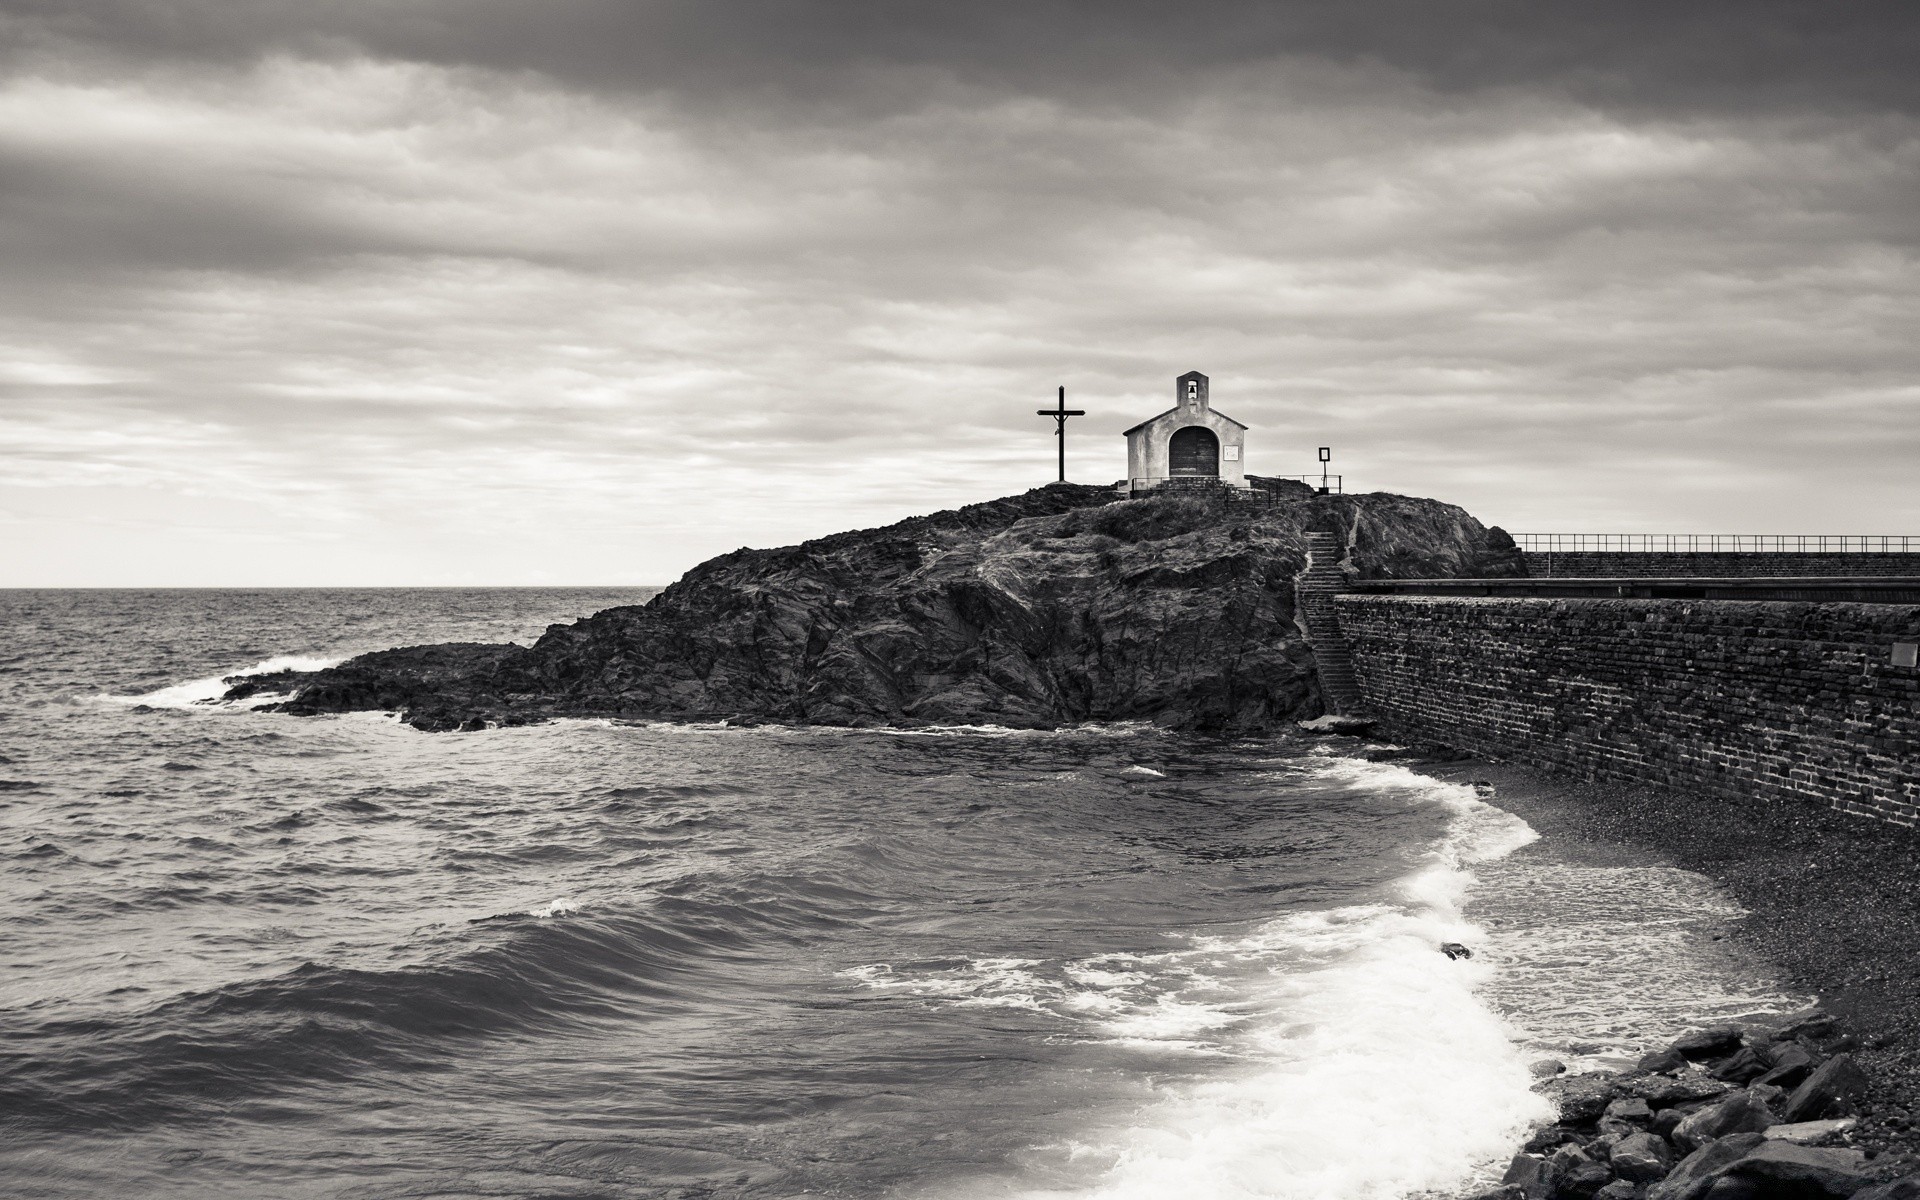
1719,543
1333,482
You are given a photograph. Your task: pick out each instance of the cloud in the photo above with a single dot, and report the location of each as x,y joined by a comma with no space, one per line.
412,298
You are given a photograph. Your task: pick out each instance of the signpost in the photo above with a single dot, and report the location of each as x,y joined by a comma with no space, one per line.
1326,456
1060,415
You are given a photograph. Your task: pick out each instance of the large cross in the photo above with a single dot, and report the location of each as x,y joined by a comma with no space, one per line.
1060,415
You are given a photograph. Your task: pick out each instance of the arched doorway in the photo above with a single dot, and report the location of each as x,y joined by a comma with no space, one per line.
1193,451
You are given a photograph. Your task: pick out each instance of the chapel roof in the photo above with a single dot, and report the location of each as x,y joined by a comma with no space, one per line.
1150,420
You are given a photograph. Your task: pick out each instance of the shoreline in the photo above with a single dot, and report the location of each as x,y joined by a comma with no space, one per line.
1831,910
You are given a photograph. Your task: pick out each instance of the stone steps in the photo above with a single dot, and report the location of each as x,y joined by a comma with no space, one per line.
1318,585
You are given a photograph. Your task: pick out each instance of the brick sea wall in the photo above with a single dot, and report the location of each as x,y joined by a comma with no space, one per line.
1614,564
1750,698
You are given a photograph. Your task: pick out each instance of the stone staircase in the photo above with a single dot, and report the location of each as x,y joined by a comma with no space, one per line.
1314,592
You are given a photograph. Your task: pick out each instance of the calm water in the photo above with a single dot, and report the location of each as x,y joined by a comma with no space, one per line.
250,955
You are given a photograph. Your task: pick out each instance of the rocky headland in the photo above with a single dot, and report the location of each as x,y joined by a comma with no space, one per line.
1054,607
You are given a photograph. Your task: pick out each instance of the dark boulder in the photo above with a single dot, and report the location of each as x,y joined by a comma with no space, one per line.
1642,1158
1699,1169
1708,1043
1742,1112
1665,1060
1831,1091
1632,1109
1744,1065
1547,1137
1662,1092
1526,1172
1573,1174
1792,1063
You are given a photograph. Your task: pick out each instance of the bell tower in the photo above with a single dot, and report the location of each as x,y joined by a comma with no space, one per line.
1190,394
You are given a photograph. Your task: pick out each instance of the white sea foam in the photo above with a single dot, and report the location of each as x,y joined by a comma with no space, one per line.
556,908
202,693
1366,1065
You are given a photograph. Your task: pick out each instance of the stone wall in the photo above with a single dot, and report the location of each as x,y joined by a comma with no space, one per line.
1750,698
1616,564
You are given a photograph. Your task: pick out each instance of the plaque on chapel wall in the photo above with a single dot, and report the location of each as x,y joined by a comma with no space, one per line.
1233,454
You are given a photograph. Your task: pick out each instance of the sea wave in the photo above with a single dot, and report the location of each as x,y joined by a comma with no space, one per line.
1354,1034
207,692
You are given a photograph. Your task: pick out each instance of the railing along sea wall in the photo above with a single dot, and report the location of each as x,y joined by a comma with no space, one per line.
1718,554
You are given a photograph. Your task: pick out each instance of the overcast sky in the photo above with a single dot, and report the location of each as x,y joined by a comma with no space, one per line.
586,291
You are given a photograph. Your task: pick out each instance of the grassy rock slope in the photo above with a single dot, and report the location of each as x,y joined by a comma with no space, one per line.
1055,606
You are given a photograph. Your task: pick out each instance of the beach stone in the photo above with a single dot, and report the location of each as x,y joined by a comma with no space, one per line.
1762,1168
1455,950
1703,1166
1611,1130
1792,1063
1547,1068
1573,1174
1743,1066
1907,1187
1525,1172
1632,1109
1662,1061
1545,1139
1832,1090
1581,1098
1659,1091
1741,1112
1619,1189
1642,1158
1708,1043
1774,1098
1811,1133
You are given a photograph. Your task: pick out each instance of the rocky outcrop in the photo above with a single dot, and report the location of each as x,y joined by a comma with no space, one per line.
1675,1129
1060,605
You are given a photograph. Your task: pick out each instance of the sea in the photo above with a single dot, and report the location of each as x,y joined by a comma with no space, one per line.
255,955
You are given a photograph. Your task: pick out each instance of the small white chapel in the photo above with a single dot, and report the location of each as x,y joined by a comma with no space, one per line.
1189,445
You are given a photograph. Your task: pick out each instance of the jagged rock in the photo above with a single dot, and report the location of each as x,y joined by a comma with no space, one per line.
1609,1130
1547,1137
1832,1090
1455,950
1792,1063
1632,1109
1663,1092
1581,1098
1053,607
1702,1167
1708,1043
1662,1061
1573,1174
1744,1065
1619,1189
1741,1112
1811,1133
1526,1172
1642,1158
1547,1068
1756,1166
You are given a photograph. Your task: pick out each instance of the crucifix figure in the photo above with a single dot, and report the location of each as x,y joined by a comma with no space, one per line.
1060,415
